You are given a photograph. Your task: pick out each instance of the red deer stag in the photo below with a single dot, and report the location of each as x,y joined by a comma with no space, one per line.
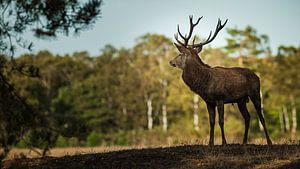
217,85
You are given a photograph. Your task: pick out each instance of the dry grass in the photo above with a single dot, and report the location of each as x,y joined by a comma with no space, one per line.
188,156
59,152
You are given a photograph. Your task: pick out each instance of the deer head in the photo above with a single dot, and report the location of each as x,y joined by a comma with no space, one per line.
188,50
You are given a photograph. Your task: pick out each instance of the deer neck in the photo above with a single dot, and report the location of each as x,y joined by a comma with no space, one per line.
196,74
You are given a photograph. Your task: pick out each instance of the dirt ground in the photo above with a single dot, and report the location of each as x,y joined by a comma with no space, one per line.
189,156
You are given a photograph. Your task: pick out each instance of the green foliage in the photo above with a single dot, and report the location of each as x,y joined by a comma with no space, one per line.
247,42
81,100
94,139
16,116
73,142
121,138
26,108
21,144
61,142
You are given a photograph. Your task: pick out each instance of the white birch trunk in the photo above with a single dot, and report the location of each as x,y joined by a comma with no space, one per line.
124,110
165,119
149,113
196,109
294,119
294,116
281,122
261,128
286,118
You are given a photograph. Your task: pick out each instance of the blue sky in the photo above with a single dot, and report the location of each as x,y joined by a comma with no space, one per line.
125,20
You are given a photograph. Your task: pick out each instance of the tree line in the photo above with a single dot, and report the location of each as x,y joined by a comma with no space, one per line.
132,96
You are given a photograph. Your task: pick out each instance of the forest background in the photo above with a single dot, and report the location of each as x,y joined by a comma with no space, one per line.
131,96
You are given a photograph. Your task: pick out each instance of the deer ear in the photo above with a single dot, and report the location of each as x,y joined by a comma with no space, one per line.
199,49
182,49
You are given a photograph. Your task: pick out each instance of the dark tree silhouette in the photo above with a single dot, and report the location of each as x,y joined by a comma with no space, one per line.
46,18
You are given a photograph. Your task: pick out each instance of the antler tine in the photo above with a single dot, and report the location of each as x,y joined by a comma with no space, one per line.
209,36
186,38
194,40
210,39
176,37
178,30
198,20
224,23
192,25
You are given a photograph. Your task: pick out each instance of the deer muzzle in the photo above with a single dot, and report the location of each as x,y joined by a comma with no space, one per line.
172,63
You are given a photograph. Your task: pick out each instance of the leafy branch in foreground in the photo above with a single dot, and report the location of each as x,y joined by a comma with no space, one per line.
45,18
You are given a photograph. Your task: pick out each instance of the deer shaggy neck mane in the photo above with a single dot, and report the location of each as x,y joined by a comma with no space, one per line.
196,74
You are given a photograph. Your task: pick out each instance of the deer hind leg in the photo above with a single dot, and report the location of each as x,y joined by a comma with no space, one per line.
212,112
220,106
256,100
243,109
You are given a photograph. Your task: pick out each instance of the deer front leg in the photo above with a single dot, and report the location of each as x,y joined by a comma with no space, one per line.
211,111
220,106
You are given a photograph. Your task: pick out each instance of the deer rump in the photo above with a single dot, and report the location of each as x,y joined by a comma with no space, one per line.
230,85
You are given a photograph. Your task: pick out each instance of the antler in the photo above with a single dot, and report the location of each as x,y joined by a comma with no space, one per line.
208,40
186,38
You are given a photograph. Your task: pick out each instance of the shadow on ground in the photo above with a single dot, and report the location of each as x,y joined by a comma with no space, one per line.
190,156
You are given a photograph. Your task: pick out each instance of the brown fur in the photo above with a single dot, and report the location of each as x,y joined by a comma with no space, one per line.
218,86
